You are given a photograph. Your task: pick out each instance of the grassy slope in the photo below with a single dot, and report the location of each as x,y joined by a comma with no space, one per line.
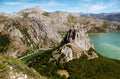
17,66
101,68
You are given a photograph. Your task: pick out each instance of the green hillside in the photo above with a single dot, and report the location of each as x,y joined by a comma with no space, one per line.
12,68
100,68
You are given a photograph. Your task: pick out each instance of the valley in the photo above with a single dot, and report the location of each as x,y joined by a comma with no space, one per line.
58,45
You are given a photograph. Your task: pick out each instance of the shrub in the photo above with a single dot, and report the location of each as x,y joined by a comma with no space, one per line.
4,42
46,14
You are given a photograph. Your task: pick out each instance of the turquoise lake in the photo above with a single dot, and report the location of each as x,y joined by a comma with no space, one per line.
107,44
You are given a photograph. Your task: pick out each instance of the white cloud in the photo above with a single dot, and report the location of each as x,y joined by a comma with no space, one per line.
52,3
95,8
14,3
28,5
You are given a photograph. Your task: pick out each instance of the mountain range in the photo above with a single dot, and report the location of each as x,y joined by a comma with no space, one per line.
69,53
115,16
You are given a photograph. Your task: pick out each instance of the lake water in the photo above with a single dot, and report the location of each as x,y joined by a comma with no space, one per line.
107,44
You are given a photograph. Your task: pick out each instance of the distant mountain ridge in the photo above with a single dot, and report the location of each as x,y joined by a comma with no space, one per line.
115,16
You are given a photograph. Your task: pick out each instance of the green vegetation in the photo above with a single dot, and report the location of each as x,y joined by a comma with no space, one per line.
42,65
106,24
46,14
2,19
100,68
25,15
62,33
4,42
27,40
90,51
70,21
7,62
3,69
97,30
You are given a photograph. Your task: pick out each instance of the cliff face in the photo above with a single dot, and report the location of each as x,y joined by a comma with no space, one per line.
26,32
75,44
78,36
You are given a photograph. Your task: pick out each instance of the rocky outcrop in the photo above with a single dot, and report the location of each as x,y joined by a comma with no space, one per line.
78,36
75,44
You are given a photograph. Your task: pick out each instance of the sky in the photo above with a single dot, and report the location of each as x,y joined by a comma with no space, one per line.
86,6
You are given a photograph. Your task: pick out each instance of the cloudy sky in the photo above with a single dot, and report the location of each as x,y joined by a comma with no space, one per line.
87,6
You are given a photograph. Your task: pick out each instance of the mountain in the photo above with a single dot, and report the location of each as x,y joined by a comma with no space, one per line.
31,29
75,58
64,37
26,33
107,16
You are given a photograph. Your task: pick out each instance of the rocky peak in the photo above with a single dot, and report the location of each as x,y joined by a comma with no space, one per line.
74,45
37,8
78,36
34,9
29,12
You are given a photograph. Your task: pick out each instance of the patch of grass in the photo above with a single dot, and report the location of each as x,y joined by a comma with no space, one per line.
46,14
105,24
70,21
17,66
97,30
2,19
63,73
62,33
3,69
25,15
